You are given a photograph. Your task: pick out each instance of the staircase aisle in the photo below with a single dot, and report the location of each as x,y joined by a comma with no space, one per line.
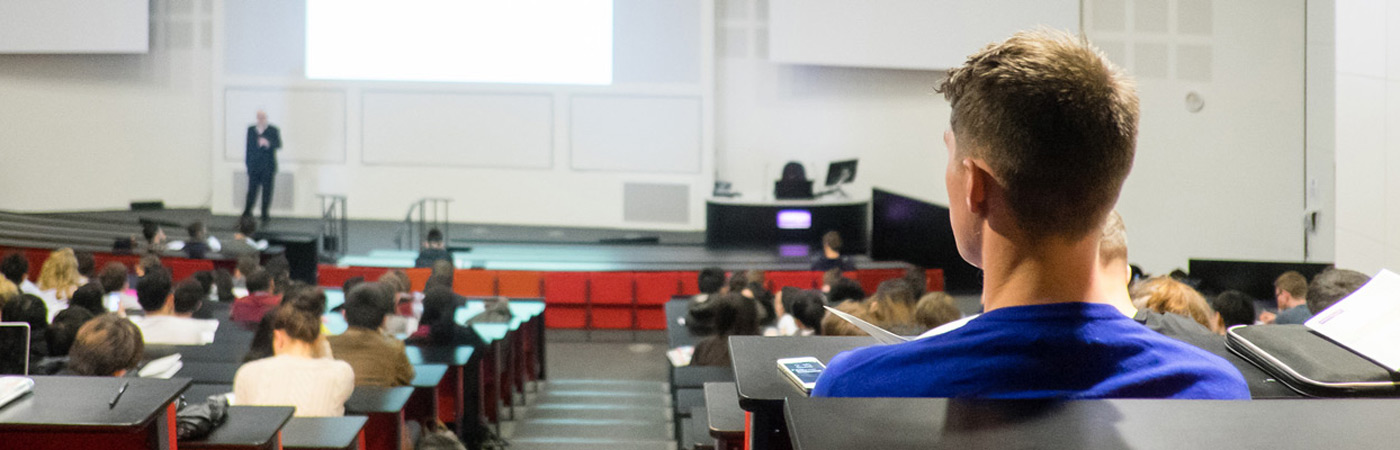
594,414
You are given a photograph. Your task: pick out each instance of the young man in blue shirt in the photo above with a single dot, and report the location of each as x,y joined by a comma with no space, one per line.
1043,135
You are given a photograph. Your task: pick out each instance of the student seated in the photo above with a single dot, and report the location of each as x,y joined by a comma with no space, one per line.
1332,285
434,250
153,239
1291,293
438,326
378,360
30,309
734,316
58,278
1231,308
169,317
200,243
114,282
294,376
698,318
1165,295
15,267
1042,137
106,346
89,297
305,298
242,243
833,325
892,308
843,289
831,255
793,306
249,310
935,309
58,339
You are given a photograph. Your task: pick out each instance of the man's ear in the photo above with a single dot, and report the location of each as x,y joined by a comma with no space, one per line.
977,180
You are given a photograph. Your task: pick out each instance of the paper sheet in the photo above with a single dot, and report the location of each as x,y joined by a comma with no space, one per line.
882,335
1367,321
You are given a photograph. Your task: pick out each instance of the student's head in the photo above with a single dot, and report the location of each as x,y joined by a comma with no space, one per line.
935,309
153,290
442,274
892,306
829,279
917,279
152,232
223,285
351,283
247,264
305,297
1328,287
833,325
1113,248
281,270
1290,287
1047,126
246,225
112,277
15,267
438,305
738,282
806,307
64,329
897,289
832,241
1232,308
147,263
29,309
366,306
396,281
434,239
86,262
197,231
292,326
756,279
205,279
107,345
1167,295
262,118
89,297
259,280
845,289
59,272
711,280
735,315
189,294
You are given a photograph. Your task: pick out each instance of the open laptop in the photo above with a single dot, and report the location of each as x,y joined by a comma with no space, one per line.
14,348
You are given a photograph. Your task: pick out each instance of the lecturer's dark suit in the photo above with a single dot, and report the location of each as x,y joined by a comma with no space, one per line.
262,166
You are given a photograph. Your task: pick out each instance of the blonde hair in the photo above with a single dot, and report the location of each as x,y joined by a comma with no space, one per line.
8,290
60,273
1166,295
936,309
833,325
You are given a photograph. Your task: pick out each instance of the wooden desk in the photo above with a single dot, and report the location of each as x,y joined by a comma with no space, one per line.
725,418
247,427
459,394
883,423
385,409
762,388
325,433
65,413
208,372
424,402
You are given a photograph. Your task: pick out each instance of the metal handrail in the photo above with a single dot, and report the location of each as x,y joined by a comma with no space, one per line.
335,225
433,212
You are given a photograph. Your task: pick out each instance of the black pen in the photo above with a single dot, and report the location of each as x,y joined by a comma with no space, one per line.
120,391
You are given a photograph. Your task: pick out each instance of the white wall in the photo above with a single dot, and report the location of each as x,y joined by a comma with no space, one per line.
1368,134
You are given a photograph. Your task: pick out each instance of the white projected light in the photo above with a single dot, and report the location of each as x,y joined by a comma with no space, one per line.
489,41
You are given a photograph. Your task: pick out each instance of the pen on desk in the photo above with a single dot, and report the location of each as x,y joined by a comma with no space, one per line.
115,398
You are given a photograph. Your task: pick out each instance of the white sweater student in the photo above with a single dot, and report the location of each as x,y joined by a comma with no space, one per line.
294,376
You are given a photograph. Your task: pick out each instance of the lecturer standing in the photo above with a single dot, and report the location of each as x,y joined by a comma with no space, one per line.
263,142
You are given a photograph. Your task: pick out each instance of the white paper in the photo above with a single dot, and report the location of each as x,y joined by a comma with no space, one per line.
1367,321
880,334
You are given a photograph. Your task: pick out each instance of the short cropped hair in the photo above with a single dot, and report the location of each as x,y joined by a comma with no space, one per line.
832,240
366,306
434,235
89,297
1055,121
15,267
258,281
153,289
1234,307
1167,295
845,289
196,230
443,274
711,280
1332,285
1113,243
246,225
298,324
104,345
188,295
112,277
1293,283
735,315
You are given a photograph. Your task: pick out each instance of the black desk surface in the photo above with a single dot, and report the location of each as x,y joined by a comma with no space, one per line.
199,392
756,373
452,356
428,375
722,411
246,427
375,399
883,423
208,372
322,432
697,376
81,403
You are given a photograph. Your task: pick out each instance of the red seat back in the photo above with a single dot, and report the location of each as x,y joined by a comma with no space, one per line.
566,288
474,283
611,288
657,288
518,284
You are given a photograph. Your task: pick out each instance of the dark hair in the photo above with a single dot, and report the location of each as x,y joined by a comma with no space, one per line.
64,329
918,280
434,235
149,263
246,225
442,274
1332,285
86,263
351,283
259,280
305,297
152,289
281,271
366,306
439,305
15,267
89,297
104,345
897,289
297,323
248,264
223,284
196,230
807,307
205,279
735,315
29,309
738,282
1234,307
832,240
112,277
711,280
149,230
846,289
188,295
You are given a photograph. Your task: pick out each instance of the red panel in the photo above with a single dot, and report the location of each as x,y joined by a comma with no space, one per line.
418,278
935,280
801,280
518,284
611,288
566,288
103,258
651,318
474,283
182,268
334,277
610,318
690,283
565,317
36,257
657,288
870,279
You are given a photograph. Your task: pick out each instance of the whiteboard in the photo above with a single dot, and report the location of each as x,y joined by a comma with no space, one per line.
458,130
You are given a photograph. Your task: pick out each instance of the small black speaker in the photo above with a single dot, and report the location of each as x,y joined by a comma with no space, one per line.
150,205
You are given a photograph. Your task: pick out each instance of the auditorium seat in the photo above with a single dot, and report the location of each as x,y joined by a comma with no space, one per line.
418,278
690,283
566,299
335,277
801,280
518,283
611,300
474,283
935,280
182,268
654,289
870,279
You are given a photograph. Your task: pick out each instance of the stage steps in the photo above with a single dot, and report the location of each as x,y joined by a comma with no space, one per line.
595,414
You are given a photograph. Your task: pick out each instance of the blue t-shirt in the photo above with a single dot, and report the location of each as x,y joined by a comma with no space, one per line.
1061,350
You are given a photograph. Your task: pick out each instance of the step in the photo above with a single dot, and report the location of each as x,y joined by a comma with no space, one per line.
571,411
603,398
589,444
652,387
615,429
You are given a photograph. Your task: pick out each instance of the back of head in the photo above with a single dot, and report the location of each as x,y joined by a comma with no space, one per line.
738,282
1234,307
833,325
443,274
248,264
223,285
832,240
1330,286
196,230
438,304
296,323
1113,242
366,306
892,306
897,290
935,309
396,281
305,297
246,226
259,281
755,278
1055,121
149,230
188,295
105,346
89,297
86,262
149,262
793,171
60,271
351,283
1294,283
434,237
112,277
807,307
205,279
15,267
64,329
1167,295
846,289
735,315
711,280
830,277
917,279
29,309
153,289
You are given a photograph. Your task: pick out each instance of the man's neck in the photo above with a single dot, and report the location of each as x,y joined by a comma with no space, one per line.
1294,303
1052,271
831,254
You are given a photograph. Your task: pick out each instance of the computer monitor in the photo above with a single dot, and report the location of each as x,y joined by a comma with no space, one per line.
841,172
14,348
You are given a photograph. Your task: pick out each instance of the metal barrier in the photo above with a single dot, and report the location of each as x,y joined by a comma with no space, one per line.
335,235
432,212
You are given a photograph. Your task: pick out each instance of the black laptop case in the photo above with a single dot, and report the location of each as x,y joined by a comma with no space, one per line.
1309,363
